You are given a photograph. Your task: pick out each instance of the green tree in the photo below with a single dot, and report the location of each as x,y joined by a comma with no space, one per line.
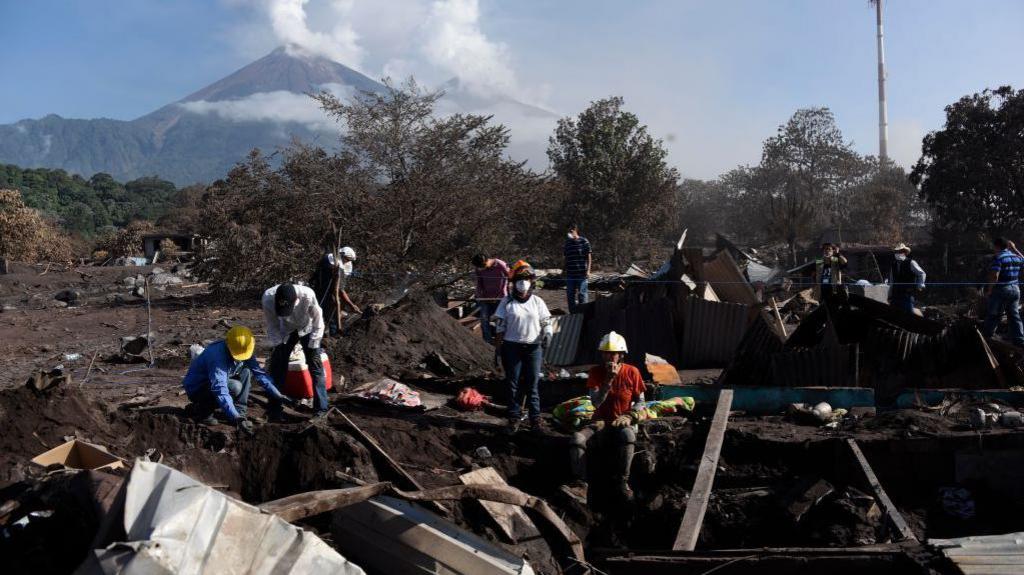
803,180
620,181
972,170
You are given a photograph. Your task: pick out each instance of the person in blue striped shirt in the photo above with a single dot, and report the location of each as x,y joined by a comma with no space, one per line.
1003,291
577,267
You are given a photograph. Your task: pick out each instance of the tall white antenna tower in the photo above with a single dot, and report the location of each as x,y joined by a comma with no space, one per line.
883,114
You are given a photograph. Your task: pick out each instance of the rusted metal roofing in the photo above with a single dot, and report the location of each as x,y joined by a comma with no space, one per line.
827,366
649,329
728,281
566,340
751,362
711,332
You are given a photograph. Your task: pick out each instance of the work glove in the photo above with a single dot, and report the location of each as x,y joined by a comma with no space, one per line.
293,339
245,426
623,420
545,341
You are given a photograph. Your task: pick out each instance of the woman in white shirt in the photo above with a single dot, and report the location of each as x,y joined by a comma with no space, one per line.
522,333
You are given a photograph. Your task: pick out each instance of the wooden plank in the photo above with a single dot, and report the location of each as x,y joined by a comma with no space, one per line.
778,318
697,505
891,512
511,519
391,462
1015,559
989,569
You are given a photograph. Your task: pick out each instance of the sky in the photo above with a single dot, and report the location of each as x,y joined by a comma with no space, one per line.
712,78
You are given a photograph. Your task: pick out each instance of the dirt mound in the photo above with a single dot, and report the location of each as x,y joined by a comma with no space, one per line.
396,340
34,422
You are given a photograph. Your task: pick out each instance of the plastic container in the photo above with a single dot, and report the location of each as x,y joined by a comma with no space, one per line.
298,383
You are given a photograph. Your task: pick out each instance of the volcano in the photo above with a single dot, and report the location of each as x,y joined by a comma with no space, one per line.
200,137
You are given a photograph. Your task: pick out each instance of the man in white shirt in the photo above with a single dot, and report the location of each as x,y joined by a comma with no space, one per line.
294,316
522,333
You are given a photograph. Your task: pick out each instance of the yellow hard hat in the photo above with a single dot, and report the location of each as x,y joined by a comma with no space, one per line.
241,342
613,342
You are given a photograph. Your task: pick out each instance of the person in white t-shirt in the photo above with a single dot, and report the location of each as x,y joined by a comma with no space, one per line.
522,333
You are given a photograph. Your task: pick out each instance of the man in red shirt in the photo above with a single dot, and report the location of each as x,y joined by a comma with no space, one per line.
617,391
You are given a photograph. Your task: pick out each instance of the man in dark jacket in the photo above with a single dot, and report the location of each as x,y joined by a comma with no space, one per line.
906,279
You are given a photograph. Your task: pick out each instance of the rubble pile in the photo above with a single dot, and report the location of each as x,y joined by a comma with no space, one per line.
407,340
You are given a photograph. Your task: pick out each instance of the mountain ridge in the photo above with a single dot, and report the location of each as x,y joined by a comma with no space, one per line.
200,137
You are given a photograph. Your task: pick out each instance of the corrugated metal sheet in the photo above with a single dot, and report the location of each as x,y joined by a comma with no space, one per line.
956,357
174,524
650,330
601,316
711,332
751,363
830,366
727,279
984,554
566,340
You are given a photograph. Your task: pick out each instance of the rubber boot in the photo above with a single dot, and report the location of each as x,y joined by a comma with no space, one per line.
624,460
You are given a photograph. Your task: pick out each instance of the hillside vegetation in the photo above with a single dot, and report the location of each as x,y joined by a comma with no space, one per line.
88,206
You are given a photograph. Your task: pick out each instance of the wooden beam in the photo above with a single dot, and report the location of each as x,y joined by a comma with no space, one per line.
511,519
302,505
897,520
397,467
697,505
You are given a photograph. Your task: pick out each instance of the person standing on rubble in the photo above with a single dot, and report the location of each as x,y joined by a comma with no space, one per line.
906,279
522,333
222,375
293,316
331,270
1003,291
828,270
617,392
491,288
577,267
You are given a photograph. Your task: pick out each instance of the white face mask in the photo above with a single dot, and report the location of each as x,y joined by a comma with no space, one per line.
569,236
901,257
522,286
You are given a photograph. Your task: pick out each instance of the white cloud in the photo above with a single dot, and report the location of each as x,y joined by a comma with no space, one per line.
340,43
455,43
280,106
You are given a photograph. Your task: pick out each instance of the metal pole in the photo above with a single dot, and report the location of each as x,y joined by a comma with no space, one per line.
883,120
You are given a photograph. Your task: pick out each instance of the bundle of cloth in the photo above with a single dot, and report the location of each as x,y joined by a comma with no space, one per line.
578,411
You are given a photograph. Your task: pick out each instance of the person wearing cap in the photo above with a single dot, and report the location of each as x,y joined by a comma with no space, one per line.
222,375
828,270
906,279
491,288
294,316
334,270
616,390
522,333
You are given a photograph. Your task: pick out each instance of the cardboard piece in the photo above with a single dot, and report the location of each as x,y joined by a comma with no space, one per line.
77,454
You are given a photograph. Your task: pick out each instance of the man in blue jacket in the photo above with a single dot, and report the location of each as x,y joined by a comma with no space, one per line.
221,377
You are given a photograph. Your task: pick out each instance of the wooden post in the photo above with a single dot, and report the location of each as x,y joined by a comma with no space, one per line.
395,466
697,505
898,522
778,317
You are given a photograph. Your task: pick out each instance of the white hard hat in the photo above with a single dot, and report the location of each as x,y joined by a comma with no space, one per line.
613,342
349,253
